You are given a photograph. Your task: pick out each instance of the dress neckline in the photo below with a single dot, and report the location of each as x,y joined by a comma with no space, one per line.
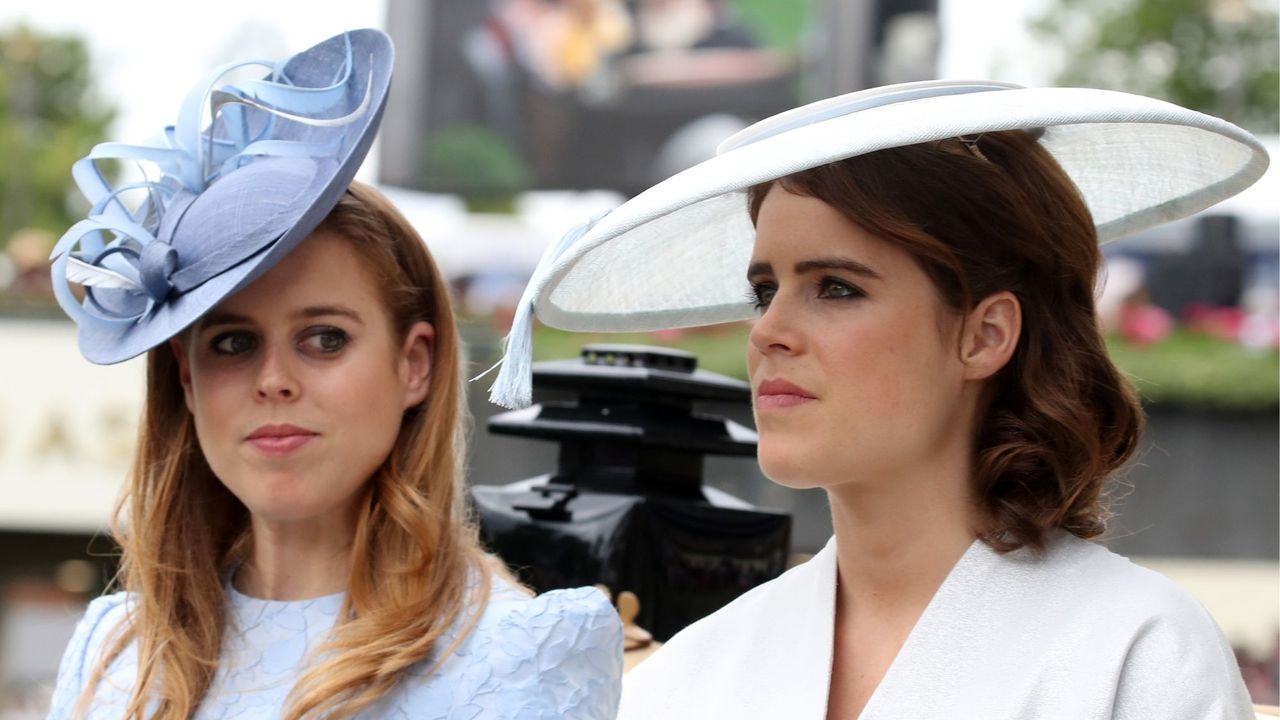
241,601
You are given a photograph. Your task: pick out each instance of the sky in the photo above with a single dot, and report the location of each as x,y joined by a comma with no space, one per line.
146,59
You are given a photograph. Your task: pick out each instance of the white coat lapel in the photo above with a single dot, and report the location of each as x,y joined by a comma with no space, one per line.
937,644
796,630
765,656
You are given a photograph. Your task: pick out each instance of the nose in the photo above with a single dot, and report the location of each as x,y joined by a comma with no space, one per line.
775,330
277,379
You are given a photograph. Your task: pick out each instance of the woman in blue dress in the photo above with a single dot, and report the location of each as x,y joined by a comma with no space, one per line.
294,534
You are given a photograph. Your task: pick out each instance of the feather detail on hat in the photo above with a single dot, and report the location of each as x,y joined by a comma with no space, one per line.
82,273
248,170
193,157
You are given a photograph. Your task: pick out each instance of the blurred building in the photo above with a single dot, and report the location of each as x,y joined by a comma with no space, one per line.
509,95
66,438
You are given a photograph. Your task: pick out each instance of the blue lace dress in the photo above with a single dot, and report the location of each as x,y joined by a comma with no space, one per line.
558,655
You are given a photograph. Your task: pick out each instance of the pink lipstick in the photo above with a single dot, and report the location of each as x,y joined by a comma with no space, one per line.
775,393
279,439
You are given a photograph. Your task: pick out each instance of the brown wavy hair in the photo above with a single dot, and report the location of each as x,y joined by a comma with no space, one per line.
417,567
1060,418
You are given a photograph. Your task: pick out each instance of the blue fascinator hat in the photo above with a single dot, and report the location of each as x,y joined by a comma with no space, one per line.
249,170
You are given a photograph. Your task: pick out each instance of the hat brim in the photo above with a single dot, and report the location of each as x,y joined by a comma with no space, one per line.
372,57
676,255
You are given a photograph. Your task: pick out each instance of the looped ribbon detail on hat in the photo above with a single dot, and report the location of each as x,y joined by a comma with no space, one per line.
115,252
513,388
159,260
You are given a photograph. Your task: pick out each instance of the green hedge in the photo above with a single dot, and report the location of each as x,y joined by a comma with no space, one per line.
1187,369
1198,370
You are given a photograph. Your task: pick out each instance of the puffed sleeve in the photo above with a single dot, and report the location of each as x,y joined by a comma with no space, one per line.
1180,667
102,615
556,656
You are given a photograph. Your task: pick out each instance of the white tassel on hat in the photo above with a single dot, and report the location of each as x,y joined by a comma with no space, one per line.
513,388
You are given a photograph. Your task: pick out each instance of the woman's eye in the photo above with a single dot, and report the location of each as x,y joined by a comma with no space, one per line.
834,289
234,343
326,340
761,294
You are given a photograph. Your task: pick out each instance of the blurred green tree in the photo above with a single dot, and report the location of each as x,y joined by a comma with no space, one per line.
48,120
1220,57
477,163
778,25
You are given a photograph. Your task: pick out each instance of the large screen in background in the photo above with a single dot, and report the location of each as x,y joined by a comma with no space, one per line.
585,94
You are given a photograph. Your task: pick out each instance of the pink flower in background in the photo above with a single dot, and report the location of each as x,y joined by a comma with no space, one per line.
1221,322
1145,324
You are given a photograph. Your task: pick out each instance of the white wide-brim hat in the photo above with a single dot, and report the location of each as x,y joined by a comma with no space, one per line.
676,255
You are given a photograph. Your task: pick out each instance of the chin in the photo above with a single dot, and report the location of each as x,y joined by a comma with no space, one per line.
791,467
277,497
285,510
281,507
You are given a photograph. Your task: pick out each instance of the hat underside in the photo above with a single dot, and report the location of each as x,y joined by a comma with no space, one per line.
687,266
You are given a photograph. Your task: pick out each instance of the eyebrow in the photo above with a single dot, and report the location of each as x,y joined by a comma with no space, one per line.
805,266
223,318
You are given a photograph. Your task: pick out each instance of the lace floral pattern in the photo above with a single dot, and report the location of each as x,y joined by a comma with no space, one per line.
558,655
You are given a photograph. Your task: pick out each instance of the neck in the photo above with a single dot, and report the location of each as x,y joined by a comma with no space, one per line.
897,539
297,560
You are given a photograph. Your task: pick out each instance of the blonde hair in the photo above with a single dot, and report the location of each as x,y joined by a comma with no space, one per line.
417,568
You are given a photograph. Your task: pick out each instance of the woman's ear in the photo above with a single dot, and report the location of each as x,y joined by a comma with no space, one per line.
184,371
991,333
415,362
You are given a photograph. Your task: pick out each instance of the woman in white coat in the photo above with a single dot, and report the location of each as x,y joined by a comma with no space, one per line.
923,261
